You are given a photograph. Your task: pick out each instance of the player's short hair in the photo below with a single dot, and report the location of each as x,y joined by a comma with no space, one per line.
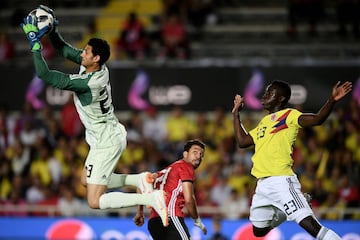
190,143
100,47
283,88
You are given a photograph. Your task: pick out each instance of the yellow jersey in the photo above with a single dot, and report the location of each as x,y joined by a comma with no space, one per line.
274,137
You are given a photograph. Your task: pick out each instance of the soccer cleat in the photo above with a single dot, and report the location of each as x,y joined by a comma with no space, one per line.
146,182
159,205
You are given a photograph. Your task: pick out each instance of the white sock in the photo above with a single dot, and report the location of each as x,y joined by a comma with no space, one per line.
327,234
279,217
121,200
132,180
116,180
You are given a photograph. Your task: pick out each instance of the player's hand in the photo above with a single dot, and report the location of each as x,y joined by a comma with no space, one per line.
340,91
199,224
51,11
238,103
31,30
139,219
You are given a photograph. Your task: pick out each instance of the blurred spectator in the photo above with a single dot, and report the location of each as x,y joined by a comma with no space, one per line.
242,155
174,40
8,125
319,193
46,166
221,191
348,13
349,194
178,7
179,127
5,178
47,205
135,123
53,132
35,193
133,41
134,152
7,47
308,178
236,206
29,125
201,122
217,230
20,158
304,10
220,127
240,179
71,125
201,13
204,201
47,49
69,205
332,208
154,127
15,205
91,32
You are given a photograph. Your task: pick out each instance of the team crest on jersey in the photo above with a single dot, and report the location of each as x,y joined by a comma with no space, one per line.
273,117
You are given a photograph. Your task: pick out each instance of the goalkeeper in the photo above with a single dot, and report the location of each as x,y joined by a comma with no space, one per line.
103,131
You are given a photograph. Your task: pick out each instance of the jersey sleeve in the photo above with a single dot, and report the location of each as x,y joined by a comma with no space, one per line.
186,173
64,48
293,118
58,79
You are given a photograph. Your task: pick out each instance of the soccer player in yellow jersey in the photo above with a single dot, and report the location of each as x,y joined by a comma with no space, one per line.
278,195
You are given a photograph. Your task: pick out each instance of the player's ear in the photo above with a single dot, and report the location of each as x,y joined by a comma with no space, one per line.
282,100
185,153
96,58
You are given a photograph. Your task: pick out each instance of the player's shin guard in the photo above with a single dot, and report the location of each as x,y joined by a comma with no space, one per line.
327,234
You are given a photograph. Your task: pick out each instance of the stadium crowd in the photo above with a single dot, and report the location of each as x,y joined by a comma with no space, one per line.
42,155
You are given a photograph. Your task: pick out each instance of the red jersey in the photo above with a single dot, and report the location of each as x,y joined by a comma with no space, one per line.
170,180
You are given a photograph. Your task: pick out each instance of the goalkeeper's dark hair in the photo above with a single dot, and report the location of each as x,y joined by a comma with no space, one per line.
190,143
100,47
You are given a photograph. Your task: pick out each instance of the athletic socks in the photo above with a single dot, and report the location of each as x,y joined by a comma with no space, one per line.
121,200
132,180
117,180
327,234
120,180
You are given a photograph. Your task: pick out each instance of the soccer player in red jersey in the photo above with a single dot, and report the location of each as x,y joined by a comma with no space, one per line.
177,180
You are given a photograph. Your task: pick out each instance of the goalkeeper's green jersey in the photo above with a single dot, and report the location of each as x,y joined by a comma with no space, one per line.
274,137
92,94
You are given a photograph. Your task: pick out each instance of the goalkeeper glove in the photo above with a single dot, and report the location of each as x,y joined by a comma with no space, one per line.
32,32
199,224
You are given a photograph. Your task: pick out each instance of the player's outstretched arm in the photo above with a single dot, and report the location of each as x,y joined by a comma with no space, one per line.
339,91
64,48
243,139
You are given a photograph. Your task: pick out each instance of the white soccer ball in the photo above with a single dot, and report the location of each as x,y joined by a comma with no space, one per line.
44,18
